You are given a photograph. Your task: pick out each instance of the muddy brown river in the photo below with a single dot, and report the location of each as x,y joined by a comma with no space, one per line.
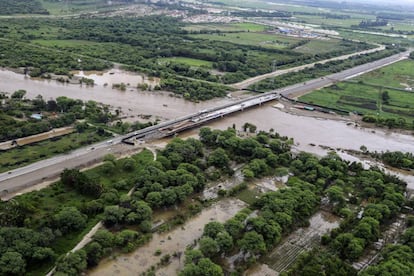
304,130
131,101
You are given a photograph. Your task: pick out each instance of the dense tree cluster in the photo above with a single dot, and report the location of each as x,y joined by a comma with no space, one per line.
319,262
373,23
55,113
396,159
81,182
196,264
398,122
384,195
193,90
22,248
174,177
41,60
344,184
21,7
397,259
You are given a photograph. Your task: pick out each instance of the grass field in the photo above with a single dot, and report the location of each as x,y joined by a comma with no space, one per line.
365,92
257,4
399,26
247,38
321,20
63,43
398,75
316,46
189,61
365,99
75,6
232,27
372,38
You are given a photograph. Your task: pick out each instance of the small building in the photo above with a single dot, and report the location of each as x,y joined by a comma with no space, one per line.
36,116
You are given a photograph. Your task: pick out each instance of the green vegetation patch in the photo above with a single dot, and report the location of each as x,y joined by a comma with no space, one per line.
317,46
365,99
78,6
235,27
397,75
62,43
42,60
383,96
250,38
8,7
188,61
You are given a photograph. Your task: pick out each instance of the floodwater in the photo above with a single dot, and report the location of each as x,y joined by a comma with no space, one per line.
169,243
116,76
404,175
304,130
301,240
318,131
211,192
132,102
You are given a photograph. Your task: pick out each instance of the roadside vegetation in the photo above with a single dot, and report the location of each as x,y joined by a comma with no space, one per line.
21,117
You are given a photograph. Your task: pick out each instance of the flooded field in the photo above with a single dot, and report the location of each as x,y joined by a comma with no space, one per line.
299,241
132,102
169,243
211,192
116,76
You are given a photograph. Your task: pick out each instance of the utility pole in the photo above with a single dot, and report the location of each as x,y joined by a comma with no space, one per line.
273,70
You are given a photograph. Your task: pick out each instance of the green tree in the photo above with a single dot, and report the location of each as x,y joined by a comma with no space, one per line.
129,164
94,253
234,227
208,247
12,263
105,238
219,158
73,263
212,229
69,219
252,243
154,199
113,215
224,241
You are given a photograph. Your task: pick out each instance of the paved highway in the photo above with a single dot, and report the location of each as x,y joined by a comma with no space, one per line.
246,83
308,86
49,168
